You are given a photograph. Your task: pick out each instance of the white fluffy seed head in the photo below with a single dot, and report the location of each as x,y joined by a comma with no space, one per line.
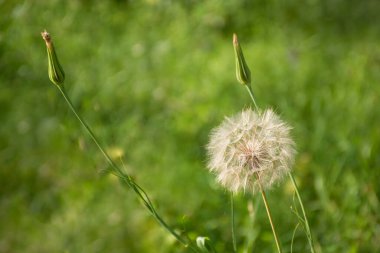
249,146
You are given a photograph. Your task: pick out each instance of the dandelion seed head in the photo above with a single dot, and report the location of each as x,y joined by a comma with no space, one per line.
249,146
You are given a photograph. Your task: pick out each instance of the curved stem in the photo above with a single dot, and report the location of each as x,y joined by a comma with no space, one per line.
269,214
294,234
305,220
233,222
125,177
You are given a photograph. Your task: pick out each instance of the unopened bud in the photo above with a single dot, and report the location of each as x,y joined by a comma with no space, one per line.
204,244
243,74
56,74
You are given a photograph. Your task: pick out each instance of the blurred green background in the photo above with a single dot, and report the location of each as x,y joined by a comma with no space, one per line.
153,78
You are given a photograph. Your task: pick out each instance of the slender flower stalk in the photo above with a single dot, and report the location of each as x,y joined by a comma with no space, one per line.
263,195
56,75
249,89
304,220
233,222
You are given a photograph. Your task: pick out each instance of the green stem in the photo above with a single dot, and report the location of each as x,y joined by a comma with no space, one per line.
308,231
250,91
294,234
269,214
306,222
126,178
89,131
233,222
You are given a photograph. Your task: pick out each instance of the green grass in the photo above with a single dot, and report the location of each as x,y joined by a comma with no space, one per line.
152,79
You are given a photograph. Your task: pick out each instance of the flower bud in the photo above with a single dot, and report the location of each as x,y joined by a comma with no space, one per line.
56,74
243,74
204,244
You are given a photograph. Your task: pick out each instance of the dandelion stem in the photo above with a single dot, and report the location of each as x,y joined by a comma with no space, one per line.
269,214
307,227
305,220
233,222
250,91
126,178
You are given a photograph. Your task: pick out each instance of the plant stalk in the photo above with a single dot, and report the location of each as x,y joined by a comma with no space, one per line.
250,91
307,227
233,222
269,214
126,178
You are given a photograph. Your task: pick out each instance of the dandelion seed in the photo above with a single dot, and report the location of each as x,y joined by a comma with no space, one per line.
248,146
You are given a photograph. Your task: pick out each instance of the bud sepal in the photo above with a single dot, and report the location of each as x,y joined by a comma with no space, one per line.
243,74
56,73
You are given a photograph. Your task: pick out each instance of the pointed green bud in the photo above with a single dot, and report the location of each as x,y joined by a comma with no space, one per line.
56,74
204,244
243,74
